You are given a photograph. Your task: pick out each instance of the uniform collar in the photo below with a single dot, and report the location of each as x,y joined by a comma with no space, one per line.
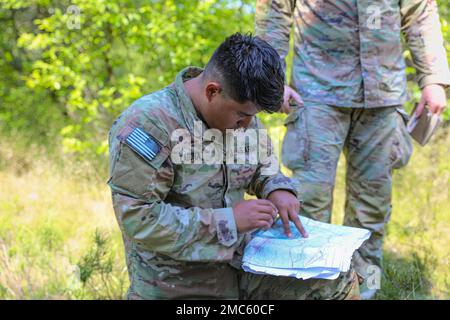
187,108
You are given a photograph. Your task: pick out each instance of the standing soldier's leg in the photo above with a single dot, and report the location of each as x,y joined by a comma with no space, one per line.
314,140
372,150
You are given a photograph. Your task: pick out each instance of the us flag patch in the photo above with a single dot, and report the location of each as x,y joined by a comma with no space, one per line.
143,144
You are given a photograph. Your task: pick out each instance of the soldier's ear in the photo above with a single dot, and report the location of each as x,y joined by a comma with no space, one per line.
212,89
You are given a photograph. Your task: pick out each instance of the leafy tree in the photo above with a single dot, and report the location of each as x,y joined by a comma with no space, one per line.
70,67
96,57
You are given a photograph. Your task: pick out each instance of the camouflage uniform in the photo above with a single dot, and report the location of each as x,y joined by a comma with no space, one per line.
177,219
349,70
264,287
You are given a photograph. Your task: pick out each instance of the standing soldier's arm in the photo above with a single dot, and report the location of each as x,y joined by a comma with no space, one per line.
273,22
139,186
422,29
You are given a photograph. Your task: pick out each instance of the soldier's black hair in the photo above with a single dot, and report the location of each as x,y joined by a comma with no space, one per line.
248,69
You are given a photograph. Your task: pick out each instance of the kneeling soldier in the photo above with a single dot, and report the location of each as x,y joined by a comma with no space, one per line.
185,223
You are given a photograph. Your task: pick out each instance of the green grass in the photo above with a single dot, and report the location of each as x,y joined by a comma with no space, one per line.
59,238
58,235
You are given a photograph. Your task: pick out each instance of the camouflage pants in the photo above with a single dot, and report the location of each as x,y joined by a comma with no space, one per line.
264,287
222,281
374,142
183,280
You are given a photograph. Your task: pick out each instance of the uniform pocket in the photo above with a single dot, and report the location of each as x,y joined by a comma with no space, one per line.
295,149
402,145
140,177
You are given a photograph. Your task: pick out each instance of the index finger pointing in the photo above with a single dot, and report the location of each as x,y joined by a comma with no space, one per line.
294,217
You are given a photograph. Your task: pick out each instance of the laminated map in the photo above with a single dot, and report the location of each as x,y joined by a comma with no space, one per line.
324,254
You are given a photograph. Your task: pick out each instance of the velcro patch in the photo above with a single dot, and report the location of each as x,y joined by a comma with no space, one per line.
143,144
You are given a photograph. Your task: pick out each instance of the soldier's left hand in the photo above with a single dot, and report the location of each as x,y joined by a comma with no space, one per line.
433,96
288,207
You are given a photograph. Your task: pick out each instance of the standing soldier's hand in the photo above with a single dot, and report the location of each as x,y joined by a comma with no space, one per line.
254,214
433,96
288,207
290,94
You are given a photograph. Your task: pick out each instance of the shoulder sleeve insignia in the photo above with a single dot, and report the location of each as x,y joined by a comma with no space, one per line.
143,144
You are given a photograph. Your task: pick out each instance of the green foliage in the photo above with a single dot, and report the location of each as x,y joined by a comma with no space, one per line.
405,277
91,59
96,260
68,68
22,109
101,278
444,11
50,237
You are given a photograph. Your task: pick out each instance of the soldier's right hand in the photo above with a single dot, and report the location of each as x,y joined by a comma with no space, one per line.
254,214
290,94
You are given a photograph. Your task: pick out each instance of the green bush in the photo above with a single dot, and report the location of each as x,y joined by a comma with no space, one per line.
70,67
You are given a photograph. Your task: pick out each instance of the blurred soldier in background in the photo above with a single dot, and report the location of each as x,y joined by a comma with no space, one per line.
348,76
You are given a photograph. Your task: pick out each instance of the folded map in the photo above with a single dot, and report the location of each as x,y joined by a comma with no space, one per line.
324,254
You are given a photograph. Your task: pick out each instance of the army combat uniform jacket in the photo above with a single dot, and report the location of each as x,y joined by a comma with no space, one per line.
348,53
177,219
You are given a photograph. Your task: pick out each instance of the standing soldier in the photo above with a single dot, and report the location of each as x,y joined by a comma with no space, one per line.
184,223
350,73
